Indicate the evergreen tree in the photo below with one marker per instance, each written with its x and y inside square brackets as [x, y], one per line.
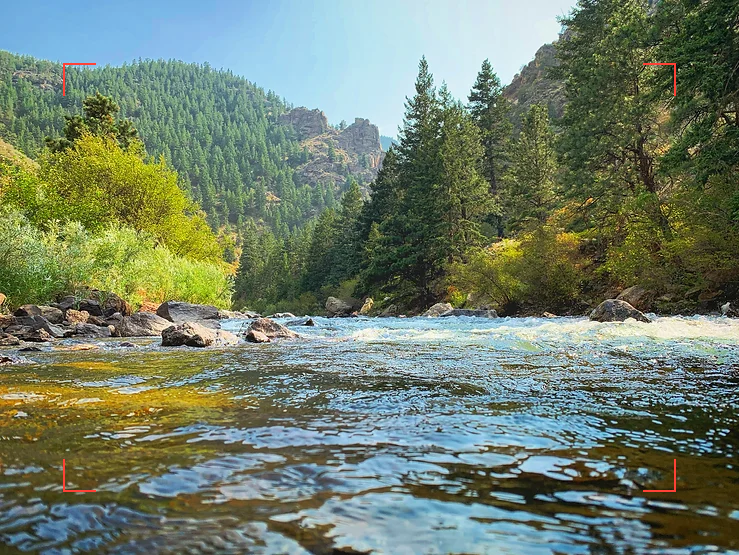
[530, 185]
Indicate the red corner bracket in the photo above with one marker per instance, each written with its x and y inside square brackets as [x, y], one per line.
[674, 72]
[674, 486]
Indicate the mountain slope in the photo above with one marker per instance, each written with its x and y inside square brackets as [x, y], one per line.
[225, 136]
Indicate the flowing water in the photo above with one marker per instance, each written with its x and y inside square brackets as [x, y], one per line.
[417, 435]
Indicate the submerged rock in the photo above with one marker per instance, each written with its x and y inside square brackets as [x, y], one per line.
[307, 321]
[338, 308]
[613, 310]
[271, 329]
[179, 313]
[192, 334]
[6, 360]
[437, 310]
[142, 324]
[469, 312]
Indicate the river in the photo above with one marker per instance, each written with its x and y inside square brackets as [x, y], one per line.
[447, 435]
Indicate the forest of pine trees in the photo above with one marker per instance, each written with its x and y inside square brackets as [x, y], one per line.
[632, 185]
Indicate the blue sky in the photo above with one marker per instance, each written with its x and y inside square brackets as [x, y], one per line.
[346, 57]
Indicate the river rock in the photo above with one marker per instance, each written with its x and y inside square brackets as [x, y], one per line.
[367, 306]
[237, 315]
[12, 359]
[637, 296]
[282, 315]
[254, 336]
[548, 315]
[77, 316]
[104, 304]
[34, 328]
[730, 310]
[390, 312]
[338, 308]
[271, 329]
[142, 324]
[7, 340]
[91, 331]
[613, 310]
[52, 314]
[437, 310]
[192, 334]
[469, 312]
[179, 313]
[307, 321]
[2, 298]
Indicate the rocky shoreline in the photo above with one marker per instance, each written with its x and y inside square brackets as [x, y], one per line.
[102, 314]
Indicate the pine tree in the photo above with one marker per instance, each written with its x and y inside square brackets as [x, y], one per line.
[530, 185]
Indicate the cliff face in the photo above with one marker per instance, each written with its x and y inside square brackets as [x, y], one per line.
[334, 154]
[533, 85]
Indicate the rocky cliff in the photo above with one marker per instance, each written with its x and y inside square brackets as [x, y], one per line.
[335, 154]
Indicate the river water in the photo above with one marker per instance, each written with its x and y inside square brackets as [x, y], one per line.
[397, 436]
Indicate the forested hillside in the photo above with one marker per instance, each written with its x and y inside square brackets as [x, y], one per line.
[223, 134]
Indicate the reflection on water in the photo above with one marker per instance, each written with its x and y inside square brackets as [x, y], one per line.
[386, 436]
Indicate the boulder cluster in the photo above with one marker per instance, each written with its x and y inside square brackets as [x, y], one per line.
[102, 314]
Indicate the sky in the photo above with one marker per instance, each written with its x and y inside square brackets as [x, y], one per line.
[349, 58]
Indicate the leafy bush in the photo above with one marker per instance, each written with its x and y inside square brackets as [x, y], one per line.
[38, 266]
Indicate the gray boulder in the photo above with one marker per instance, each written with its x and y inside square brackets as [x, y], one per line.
[613, 310]
[338, 308]
[271, 329]
[91, 331]
[179, 313]
[637, 296]
[192, 334]
[52, 314]
[142, 324]
[34, 328]
[467, 312]
[437, 310]
[390, 312]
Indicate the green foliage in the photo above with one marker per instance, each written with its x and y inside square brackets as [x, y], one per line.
[530, 186]
[38, 266]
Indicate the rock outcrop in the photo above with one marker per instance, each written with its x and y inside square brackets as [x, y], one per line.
[270, 329]
[367, 306]
[307, 123]
[179, 313]
[142, 324]
[613, 310]
[192, 334]
[437, 310]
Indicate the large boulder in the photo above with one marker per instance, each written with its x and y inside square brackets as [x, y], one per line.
[468, 312]
[614, 310]
[102, 303]
[51, 313]
[638, 297]
[179, 313]
[390, 312]
[192, 334]
[91, 331]
[338, 308]
[271, 329]
[142, 324]
[437, 310]
[34, 328]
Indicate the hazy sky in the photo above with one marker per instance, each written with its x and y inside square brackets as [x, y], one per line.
[346, 57]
